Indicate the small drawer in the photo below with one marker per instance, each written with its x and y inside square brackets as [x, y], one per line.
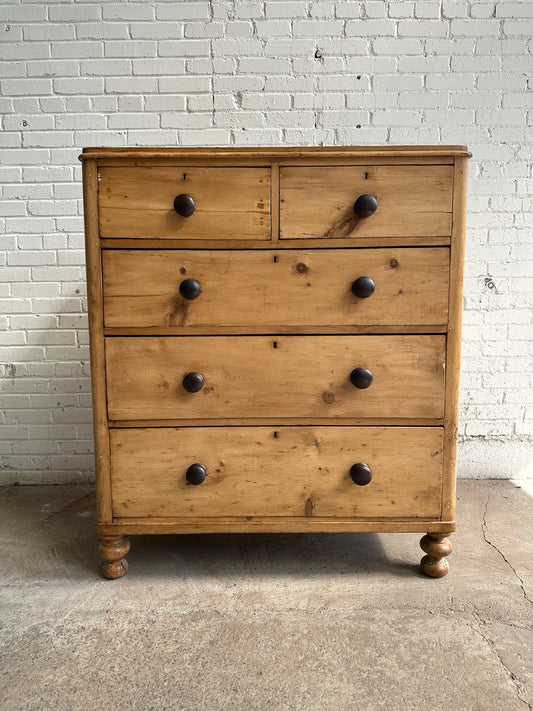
[259, 289]
[214, 203]
[282, 471]
[322, 202]
[186, 377]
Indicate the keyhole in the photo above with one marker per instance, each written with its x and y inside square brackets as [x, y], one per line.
[185, 177]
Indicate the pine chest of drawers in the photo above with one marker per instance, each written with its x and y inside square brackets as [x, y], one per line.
[275, 340]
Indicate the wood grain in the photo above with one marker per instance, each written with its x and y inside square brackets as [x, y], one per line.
[96, 340]
[278, 152]
[275, 524]
[234, 244]
[275, 376]
[261, 289]
[412, 200]
[230, 202]
[453, 350]
[289, 471]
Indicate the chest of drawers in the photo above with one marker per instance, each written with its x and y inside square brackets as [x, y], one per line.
[275, 340]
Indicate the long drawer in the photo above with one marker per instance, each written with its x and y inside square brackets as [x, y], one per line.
[275, 376]
[286, 288]
[227, 203]
[283, 471]
[412, 200]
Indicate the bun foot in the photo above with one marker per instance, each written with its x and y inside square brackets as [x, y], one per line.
[436, 546]
[112, 551]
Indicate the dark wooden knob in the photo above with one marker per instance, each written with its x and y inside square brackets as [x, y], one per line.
[193, 382]
[361, 474]
[196, 474]
[190, 289]
[361, 378]
[365, 205]
[363, 287]
[184, 205]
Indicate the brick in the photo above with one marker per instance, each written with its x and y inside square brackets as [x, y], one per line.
[514, 9]
[105, 67]
[186, 48]
[396, 118]
[210, 137]
[451, 82]
[159, 66]
[398, 82]
[422, 28]
[157, 30]
[125, 11]
[132, 120]
[374, 8]
[23, 87]
[80, 121]
[195, 30]
[184, 85]
[482, 10]
[79, 85]
[454, 8]
[165, 103]
[348, 9]
[249, 10]
[12, 69]
[251, 65]
[427, 9]
[131, 85]
[185, 120]
[401, 9]
[294, 47]
[286, 9]
[239, 29]
[138, 48]
[370, 28]
[317, 28]
[273, 28]
[22, 13]
[517, 28]
[48, 31]
[183, 11]
[102, 30]
[475, 28]
[397, 46]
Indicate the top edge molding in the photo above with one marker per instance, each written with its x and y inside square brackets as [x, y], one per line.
[272, 152]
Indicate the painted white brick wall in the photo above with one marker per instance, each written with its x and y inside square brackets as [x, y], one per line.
[80, 74]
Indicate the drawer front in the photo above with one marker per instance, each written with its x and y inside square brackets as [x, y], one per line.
[230, 203]
[287, 471]
[258, 288]
[275, 376]
[318, 202]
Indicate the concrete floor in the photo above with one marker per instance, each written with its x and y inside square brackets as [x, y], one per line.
[307, 622]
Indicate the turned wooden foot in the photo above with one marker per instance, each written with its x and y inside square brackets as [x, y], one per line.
[436, 546]
[112, 551]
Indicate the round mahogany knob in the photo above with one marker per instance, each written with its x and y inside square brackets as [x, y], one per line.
[363, 287]
[361, 378]
[193, 382]
[365, 205]
[361, 474]
[196, 474]
[190, 289]
[184, 205]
